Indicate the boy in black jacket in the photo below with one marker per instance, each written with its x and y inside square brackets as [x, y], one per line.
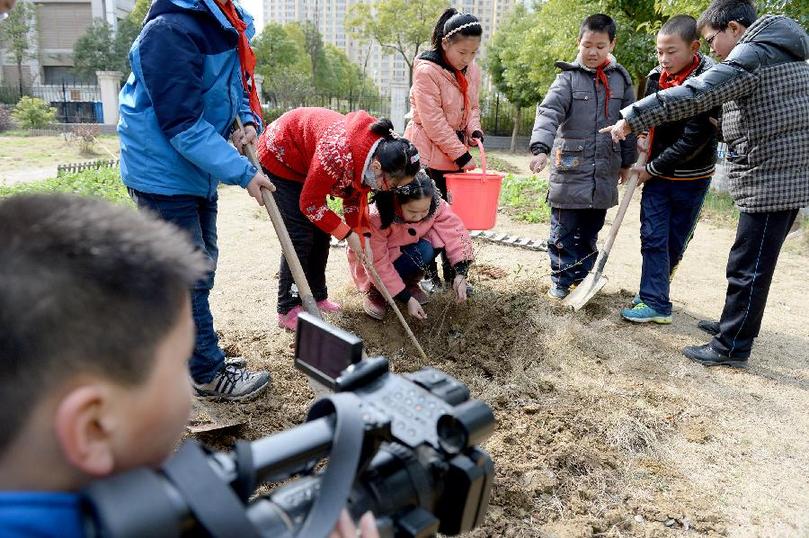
[677, 175]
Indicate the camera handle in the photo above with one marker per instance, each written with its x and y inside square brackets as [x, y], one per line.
[344, 458]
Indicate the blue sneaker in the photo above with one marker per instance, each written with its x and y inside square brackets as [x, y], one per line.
[640, 313]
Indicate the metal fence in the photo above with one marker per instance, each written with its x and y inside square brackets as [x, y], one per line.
[497, 117]
[74, 103]
[378, 106]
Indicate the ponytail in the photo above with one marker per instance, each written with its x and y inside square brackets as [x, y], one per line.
[397, 156]
[452, 23]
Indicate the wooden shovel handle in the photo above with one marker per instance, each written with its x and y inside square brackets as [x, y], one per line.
[288, 249]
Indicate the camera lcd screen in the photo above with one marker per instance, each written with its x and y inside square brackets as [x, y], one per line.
[323, 351]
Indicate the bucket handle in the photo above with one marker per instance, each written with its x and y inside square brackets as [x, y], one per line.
[479, 144]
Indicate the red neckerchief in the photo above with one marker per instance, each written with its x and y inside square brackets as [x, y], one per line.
[668, 80]
[601, 77]
[247, 57]
[463, 83]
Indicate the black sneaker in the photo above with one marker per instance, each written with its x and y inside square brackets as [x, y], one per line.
[232, 383]
[706, 355]
[709, 326]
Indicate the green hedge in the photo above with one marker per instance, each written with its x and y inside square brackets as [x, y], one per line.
[104, 183]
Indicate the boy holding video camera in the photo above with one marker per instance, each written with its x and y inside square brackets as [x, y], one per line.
[97, 331]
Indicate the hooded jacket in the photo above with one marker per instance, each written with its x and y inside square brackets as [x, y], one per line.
[684, 149]
[181, 99]
[442, 228]
[440, 128]
[327, 152]
[763, 87]
[584, 164]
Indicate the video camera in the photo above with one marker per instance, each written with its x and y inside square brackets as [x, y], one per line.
[403, 447]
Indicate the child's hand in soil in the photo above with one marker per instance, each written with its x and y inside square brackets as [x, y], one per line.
[415, 309]
[259, 181]
[459, 286]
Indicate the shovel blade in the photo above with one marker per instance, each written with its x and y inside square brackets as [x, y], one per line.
[206, 418]
[585, 291]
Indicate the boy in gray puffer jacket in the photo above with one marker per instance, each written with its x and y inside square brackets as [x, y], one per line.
[763, 87]
[587, 95]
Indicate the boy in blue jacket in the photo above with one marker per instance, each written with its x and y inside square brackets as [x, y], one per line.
[192, 76]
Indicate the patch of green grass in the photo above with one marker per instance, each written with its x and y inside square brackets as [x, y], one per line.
[104, 183]
[495, 163]
[719, 207]
[21, 151]
[523, 198]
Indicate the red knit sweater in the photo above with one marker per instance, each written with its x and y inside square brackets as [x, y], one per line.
[327, 152]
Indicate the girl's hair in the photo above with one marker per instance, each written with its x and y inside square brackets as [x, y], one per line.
[398, 157]
[386, 202]
[453, 24]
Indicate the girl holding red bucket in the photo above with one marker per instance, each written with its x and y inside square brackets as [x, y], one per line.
[444, 103]
[312, 153]
[410, 226]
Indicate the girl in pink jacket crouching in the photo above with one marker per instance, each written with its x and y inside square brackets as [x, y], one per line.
[409, 227]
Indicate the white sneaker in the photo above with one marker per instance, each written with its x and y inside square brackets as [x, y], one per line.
[232, 383]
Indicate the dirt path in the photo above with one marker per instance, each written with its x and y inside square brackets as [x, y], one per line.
[604, 428]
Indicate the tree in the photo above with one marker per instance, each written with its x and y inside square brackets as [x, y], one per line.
[276, 52]
[95, 51]
[15, 32]
[400, 26]
[509, 71]
[313, 45]
[345, 78]
[139, 12]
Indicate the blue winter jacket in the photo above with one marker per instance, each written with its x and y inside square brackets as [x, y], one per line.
[179, 103]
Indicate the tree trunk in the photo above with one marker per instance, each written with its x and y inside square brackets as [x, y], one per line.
[517, 114]
[641, 87]
[19, 76]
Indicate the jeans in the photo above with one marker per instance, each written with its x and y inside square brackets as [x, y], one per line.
[197, 217]
[751, 264]
[415, 260]
[572, 243]
[310, 242]
[668, 215]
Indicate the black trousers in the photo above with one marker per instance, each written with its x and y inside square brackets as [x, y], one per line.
[751, 264]
[310, 242]
[572, 244]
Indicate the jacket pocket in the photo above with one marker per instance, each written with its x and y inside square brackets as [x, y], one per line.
[568, 154]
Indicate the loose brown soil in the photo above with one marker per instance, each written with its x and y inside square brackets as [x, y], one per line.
[604, 429]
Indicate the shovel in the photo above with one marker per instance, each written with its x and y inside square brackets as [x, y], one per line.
[304, 291]
[596, 280]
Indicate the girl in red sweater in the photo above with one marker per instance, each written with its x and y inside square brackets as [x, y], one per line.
[410, 226]
[444, 101]
[312, 153]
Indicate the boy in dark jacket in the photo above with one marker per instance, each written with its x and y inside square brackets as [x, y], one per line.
[677, 175]
[585, 164]
[763, 85]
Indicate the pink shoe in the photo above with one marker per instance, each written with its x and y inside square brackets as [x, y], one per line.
[329, 306]
[289, 321]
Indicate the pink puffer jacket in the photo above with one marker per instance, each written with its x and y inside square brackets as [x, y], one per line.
[438, 113]
[443, 230]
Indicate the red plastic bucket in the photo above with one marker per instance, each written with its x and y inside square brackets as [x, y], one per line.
[474, 195]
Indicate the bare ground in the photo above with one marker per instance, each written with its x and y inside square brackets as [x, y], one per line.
[604, 429]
